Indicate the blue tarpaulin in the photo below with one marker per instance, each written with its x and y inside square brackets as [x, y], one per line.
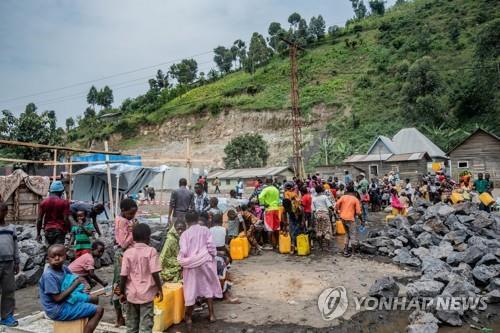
[124, 159]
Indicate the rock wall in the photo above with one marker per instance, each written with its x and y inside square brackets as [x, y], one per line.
[210, 134]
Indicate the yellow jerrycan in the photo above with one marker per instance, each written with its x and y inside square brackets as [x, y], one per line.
[178, 307]
[236, 249]
[486, 199]
[303, 246]
[285, 243]
[339, 227]
[163, 311]
[456, 197]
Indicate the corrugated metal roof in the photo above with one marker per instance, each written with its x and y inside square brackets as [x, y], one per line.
[411, 140]
[367, 158]
[247, 173]
[407, 157]
[386, 157]
[386, 141]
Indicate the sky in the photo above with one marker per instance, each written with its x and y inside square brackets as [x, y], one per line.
[52, 51]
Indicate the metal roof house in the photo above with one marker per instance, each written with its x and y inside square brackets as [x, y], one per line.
[407, 141]
[229, 178]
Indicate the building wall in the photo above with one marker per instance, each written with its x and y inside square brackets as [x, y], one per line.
[482, 154]
[380, 148]
[228, 184]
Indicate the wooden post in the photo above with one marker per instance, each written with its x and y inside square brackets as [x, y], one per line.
[161, 192]
[188, 161]
[117, 195]
[70, 174]
[54, 170]
[110, 186]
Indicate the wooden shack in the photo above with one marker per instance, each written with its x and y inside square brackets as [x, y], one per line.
[412, 166]
[478, 153]
[23, 193]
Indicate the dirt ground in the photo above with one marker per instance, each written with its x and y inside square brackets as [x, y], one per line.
[279, 293]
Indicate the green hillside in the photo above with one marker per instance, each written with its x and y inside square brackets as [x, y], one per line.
[433, 64]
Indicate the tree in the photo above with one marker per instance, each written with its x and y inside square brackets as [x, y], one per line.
[258, 53]
[212, 75]
[317, 27]
[161, 79]
[30, 127]
[92, 96]
[421, 91]
[105, 97]
[70, 122]
[377, 7]
[333, 31]
[294, 20]
[359, 8]
[240, 49]
[275, 31]
[223, 58]
[89, 113]
[246, 151]
[185, 71]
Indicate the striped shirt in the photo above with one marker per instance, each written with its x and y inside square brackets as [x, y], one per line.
[82, 240]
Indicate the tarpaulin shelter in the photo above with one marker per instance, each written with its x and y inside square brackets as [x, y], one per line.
[91, 183]
[22, 193]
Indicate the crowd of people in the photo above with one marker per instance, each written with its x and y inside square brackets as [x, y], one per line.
[196, 250]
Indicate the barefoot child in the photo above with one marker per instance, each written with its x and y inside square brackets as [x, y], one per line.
[140, 281]
[84, 265]
[9, 267]
[124, 225]
[55, 300]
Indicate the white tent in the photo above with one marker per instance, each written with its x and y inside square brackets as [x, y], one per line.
[91, 183]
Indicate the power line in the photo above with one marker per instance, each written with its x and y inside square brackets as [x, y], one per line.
[103, 78]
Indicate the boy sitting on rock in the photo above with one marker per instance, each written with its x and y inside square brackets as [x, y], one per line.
[54, 299]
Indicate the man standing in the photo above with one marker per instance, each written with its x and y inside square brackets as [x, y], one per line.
[91, 210]
[362, 184]
[201, 201]
[240, 189]
[348, 206]
[181, 201]
[54, 216]
[490, 186]
[270, 199]
[347, 178]
[481, 186]
[216, 183]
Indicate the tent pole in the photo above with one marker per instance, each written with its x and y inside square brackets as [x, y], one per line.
[54, 170]
[161, 193]
[188, 160]
[117, 195]
[110, 187]
[70, 194]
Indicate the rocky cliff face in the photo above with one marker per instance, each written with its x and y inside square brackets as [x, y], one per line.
[209, 135]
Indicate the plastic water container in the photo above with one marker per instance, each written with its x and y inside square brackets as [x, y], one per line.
[246, 246]
[236, 249]
[456, 197]
[486, 199]
[285, 243]
[178, 308]
[163, 311]
[339, 228]
[303, 246]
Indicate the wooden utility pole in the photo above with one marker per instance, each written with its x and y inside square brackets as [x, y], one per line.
[298, 162]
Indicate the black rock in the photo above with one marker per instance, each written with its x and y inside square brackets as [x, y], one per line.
[424, 288]
[404, 257]
[384, 287]
[483, 274]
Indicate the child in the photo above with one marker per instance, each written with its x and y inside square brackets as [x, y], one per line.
[140, 280]
[84, 265]
[55, 300]
[81, 234]
[233, 225]
[365, 203]
[124, 225]
[9, 267]
[213, 210]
